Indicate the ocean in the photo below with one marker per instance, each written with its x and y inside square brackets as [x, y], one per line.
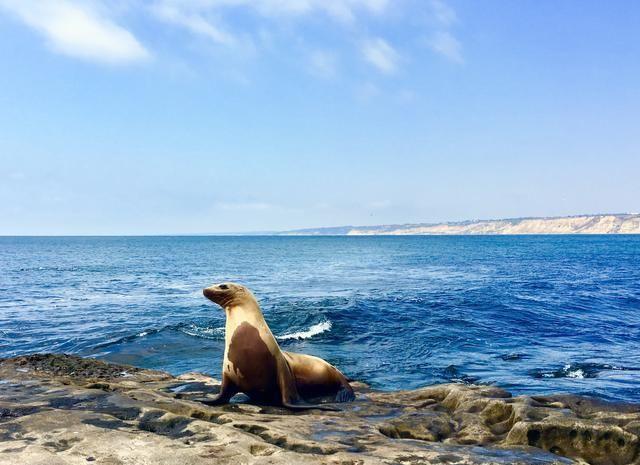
[531, 314]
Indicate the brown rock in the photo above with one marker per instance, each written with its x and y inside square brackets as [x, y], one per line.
[57, 409]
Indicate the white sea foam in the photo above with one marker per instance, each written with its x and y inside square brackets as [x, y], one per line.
[577, 374]
[314, 330]
[203, 332]
[215, 333]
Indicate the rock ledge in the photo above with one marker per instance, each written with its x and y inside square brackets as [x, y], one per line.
[62, 409]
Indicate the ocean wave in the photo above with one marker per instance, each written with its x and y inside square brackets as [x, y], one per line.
[204, 332]
[128, 338]
[313, 330]
[208, 332]
[579, 370]
[190, 329]
[512, 356]
[213, 333]
[452, 373]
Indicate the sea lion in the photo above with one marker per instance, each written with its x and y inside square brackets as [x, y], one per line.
[254, 364]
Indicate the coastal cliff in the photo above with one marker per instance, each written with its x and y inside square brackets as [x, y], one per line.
[583, 224]
[60, 409]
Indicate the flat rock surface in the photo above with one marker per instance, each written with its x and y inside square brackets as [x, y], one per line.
[61, 409]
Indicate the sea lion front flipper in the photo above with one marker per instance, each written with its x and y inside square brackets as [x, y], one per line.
[289, 395]
[227, 390]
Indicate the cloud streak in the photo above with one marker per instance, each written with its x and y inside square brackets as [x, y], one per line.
[88, 30]
[443, 13]
[342, 10]
[382, 56]
[323, 64]
[202, 17]
[76, 30]
[444, 43]
[192, 20]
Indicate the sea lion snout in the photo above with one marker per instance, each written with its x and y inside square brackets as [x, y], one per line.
[222, 293]
[216, 292]
[208, 293]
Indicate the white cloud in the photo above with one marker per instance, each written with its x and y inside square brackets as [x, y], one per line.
[443, 13]
[343, 10]
[323, 64]
[203, 16]
[206, 17]
[194, 21]
[442, 41]
[76, 29]
[447, 45]
[381, 55]
[87, 29]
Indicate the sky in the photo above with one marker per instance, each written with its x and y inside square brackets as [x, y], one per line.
[211, 116]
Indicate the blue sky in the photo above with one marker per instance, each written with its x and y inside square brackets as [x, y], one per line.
[167, 116]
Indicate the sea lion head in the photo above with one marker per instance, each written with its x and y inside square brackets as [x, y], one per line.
[228, 294]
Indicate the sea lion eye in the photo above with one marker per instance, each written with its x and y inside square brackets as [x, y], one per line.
[223, 286]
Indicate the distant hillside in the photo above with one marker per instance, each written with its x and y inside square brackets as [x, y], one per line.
[624, 223]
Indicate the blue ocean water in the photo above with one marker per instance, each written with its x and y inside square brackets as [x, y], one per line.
[533, 314]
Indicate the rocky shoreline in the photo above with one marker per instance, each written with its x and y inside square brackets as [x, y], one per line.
[62, 409]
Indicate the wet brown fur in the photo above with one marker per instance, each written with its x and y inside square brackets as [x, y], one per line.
[254, 363]
[314, 376]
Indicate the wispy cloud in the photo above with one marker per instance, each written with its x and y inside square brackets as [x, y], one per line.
[444, 43]
[240, 30]
[323, 64]
[194, 20]
[78, 30]
[203, 16]
[343, 10]
[378, 53]
[443, 13]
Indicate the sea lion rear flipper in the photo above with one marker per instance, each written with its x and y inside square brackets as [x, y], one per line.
[289, 395]
[345, 395]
